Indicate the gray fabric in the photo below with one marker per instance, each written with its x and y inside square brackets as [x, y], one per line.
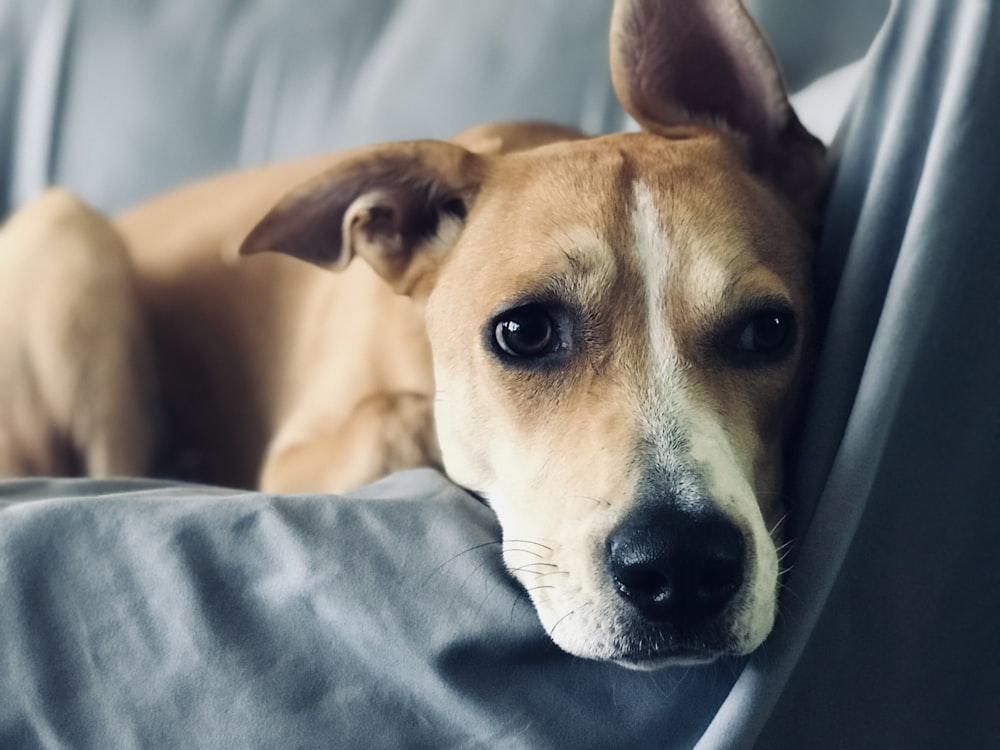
[182, 616]
[192, 617]
[121, 100]
[890, 635]
[814, 38]
[148, 95]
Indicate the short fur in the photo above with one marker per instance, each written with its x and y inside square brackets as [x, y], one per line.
[652, 252]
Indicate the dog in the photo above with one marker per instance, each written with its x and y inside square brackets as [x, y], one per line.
[604, 338]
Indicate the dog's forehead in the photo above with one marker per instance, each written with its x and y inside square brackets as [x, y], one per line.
[593, 215]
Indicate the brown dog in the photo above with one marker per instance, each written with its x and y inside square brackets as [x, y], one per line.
[603, 337]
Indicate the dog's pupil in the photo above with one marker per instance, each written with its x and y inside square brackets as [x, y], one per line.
[769, 331]
[527, 334]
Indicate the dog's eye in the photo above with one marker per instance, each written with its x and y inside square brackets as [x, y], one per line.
[766, 335]
[765, 332]
[526, 332]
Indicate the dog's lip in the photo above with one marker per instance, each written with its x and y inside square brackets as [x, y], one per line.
[679, 657]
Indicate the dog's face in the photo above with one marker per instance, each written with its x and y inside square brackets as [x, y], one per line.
[618, 328]
[614, 374]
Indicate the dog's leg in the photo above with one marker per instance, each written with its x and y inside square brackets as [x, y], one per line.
[384, 433]
[75, 369]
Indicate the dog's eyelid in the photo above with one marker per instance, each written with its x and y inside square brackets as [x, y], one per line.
[554, 292]
[726, 338]
[563, 333]
[752, 306]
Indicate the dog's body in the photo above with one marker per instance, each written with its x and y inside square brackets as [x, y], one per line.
[603, 337]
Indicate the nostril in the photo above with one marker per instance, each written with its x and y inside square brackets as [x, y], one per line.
[641, 581]
[725, 572]
[716, 584]
[677, 567]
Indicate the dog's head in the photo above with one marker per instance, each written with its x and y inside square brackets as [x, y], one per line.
[618, 328]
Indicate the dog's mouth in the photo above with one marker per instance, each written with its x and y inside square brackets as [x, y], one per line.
[645, 645]
[649, 661]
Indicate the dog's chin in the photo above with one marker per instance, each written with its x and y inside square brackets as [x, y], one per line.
[645, 657]
[615, 634]
[646, 647]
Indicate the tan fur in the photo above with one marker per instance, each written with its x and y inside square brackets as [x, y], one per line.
[251, 353]
[182, 338]
[75, 370]
[547, 450]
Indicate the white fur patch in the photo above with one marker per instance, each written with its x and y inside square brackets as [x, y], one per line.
[685, 433]
[653, 252]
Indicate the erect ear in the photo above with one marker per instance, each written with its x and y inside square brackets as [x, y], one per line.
[397, 205]
[684, 62]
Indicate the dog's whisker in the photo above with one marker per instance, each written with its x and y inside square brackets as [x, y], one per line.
[437, 569]
[783, 571]
[527, 567]
[511, 550]
[785, 548]
[777, 524]
[512, 546]
[521, 598]
[559, 622]
[539, 574]
[488, 595]
[529, 589]
[782, 556]
[786, 592]
[590, 498]
[553, 573]
[528, 541]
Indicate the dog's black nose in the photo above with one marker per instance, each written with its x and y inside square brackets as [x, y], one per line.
[677, 566]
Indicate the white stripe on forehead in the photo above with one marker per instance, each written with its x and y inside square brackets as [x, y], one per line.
[683, 432]
[660, 395]
[651, 250]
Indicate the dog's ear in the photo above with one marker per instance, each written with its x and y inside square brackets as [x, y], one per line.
[705, 62]
[397, 205]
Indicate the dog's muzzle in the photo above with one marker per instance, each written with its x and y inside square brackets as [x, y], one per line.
[679, 569]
